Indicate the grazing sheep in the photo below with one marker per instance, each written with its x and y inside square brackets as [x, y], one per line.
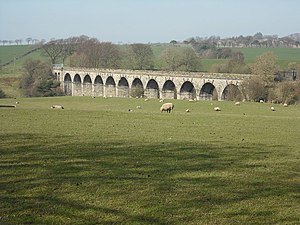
[272, 108]
[261, 101]
[217, 109]
[191, 100]
[237, 103]
[161, 100]
[285, 105]
[167, 107]
[138, 107]
[146, 99]
[187, 110]
[57, 107]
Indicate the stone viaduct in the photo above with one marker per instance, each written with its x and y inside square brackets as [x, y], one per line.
[148, 84]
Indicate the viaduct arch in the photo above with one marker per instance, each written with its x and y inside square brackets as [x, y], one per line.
[150, 84]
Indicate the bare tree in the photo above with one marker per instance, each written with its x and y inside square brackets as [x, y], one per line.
[18, 41]
[170, 59]
[53, 49]
[141, 56]
[189, 60]
[265, 66]
[254, 89]
[91, 53]
[68, 48]
[182, 59]
[29, 39]
[109, 55]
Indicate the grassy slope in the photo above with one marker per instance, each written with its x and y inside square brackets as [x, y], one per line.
[95, 162]
[285, 55]
[9, 75]
[9, 52]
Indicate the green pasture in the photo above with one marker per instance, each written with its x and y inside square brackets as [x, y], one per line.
[285, 55]
[95, 162]
[8, 53]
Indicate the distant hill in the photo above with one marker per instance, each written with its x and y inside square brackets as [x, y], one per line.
[295, 36]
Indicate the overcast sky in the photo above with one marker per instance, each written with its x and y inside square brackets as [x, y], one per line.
[146, 20]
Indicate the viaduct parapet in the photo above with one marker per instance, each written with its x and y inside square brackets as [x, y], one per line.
[148, 84]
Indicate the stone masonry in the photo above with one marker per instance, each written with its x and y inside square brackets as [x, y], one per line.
[152, 84]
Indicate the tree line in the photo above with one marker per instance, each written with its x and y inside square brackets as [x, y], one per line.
[89, 52]
[258, 40]
[29, 41]
[83, 51]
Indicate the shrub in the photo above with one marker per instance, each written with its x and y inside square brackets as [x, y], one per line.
[38, 80]
[285, 92]
[137, 92]
[254, 89]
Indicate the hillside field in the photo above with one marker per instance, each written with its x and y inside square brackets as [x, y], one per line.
[95, 162]
[8, 53]
[285, 55]
[10, 74]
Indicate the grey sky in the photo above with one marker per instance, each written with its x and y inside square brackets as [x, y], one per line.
[146, 20]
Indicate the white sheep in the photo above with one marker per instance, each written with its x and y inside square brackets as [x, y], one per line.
[285, 105]
[187, 110]
[167, 107]
[272, 108]
[217, 109]
[138, 107]
[57, 107]
[237, 103]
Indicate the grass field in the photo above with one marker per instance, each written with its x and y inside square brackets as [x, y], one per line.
[97, 163]
[8, 53]
[285, 55]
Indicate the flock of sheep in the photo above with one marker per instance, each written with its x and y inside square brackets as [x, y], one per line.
[167, 107]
